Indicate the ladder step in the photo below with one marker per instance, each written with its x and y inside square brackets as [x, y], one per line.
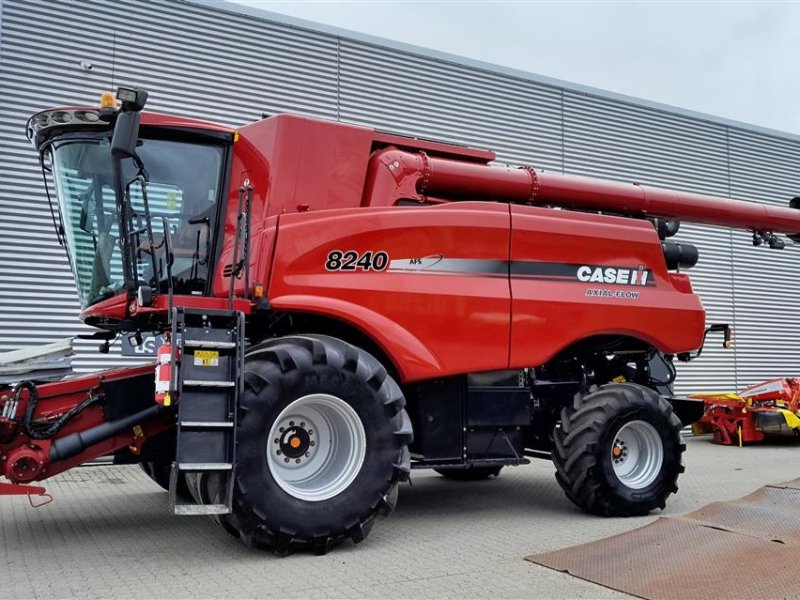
[208, 383]
[207, 344]
[200, 509]
[205, 466]
[207, 424]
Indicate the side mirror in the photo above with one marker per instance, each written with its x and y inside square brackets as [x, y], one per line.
[126, 134]
[126, 130]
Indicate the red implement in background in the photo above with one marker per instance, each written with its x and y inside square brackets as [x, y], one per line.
[769, 408]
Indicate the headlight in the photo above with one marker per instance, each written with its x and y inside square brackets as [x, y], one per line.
[61, 119]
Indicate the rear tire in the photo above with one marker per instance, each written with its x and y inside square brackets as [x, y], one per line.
[618, 451]
[291, 494]
[470, 473]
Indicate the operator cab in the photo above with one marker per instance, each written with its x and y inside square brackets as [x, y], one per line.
[113, 211]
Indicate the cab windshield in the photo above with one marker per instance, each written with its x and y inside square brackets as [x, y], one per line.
[182, 191]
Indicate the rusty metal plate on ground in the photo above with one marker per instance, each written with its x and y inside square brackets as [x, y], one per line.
[746, 548]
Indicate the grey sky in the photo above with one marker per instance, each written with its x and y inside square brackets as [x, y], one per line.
[735, 60]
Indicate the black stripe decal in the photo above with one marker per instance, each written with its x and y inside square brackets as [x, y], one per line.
[526, 269]
[543, 269]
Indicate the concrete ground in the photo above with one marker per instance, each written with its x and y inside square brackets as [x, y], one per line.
[107, 535]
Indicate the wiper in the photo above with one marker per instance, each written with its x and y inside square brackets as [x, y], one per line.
[134, 236]
[57, 225]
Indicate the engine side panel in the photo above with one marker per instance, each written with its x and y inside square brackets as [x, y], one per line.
[428, 284]
[461, 290]
[577, 275]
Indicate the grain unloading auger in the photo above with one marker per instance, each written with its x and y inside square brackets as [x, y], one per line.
[397, 174]
[344, 305]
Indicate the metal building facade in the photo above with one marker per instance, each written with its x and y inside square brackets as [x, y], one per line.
[229, 63]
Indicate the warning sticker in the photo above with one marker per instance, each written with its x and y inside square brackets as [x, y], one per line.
[206, 358]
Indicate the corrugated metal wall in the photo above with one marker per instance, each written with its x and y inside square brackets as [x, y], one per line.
[225, 65]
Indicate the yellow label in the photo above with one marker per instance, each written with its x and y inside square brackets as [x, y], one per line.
[206, 358]
[137, 431]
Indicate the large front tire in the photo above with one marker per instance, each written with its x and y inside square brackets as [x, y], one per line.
[321, 445]
[618, 451]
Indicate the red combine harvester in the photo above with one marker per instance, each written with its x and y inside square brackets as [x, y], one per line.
[343, 305]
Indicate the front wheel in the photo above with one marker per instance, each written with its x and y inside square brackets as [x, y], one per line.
[618, 451]
[321, 446]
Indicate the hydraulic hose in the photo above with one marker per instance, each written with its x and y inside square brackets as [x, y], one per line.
[33, 400]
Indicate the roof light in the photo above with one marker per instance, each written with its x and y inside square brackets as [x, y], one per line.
[62, 119]
[107, 100]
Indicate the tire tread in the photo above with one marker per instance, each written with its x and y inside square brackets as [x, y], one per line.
[577, 452]
[268, 364]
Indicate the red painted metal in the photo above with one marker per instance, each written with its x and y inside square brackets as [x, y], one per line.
[318, 185]
[118, 308]
[548, 316]
[429, 324]
[25, 463]
[24, 459]
[157, 119]
[416, 174]
[433, 147]
[13, 489]
[471, 280]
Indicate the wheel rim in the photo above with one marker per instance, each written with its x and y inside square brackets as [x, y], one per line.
[316, 447]
[637, 454]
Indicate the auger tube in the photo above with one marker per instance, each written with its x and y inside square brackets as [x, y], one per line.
[453, 179]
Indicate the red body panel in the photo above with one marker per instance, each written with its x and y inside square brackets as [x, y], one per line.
[292, 164]
[116, 308]
[451, 312]
[432, 323]
[164, 120]
[551, 312]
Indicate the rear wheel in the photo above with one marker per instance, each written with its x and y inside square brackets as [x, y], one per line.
[470, 473]
[618, 451]
[321, 446]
